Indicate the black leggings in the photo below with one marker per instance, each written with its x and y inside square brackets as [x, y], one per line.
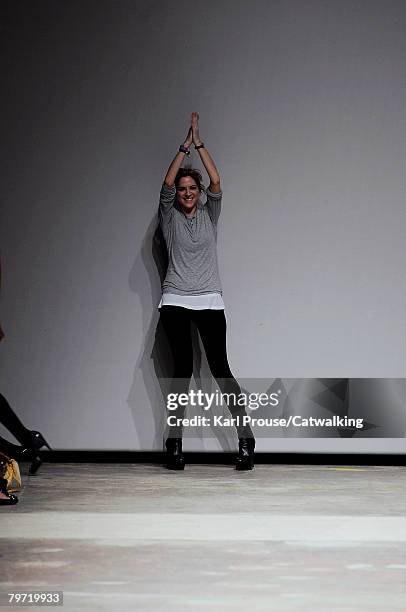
[211, 325]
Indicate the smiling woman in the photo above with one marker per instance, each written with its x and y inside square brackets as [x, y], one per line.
[188, 183]
[191, 291]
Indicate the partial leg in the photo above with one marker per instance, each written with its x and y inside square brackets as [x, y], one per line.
[212, 328]
[8, 448]
[176, 324]
[10, 421]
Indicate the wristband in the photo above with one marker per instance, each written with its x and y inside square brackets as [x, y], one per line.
[200, 146]
[184, 149]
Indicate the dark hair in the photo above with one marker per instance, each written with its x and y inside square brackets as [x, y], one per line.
[192, 172]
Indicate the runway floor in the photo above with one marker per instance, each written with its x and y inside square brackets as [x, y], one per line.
[141, 538]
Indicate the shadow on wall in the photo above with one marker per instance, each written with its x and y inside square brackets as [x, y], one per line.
[153, 361]
[153, 367]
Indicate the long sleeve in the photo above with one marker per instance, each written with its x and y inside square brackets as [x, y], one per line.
[166, 201]
[213, 205]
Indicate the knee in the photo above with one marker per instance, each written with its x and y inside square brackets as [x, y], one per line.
[221, 369]
[183, 371]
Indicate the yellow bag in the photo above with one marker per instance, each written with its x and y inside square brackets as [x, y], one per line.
[11, 472]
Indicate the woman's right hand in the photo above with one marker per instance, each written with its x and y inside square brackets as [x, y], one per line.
[195, 129]
[176, 163]
[189, 138]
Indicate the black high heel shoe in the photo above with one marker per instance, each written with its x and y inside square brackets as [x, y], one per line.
[11, 499]
[35, 441]
[245, 459]
[175, 457]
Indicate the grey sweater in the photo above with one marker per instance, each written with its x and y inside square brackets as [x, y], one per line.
[191, 244]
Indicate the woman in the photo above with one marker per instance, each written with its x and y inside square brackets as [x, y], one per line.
[31, 441]
[192, 288]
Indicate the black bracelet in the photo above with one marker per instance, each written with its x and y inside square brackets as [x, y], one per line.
[184, 149]
[200, 146]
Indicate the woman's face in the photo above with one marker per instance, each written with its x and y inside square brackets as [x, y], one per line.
[187, 193]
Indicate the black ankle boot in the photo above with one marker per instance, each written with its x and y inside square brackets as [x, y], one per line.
[11, 499]
[175, 458]
[245, 459]
[30, 450]
[32, 456]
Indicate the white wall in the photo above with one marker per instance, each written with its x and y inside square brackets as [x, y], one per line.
[302, 106]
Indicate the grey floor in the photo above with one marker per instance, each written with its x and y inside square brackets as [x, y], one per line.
[138, 537]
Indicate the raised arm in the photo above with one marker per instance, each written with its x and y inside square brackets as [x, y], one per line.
[177, 161]
[205, 156]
